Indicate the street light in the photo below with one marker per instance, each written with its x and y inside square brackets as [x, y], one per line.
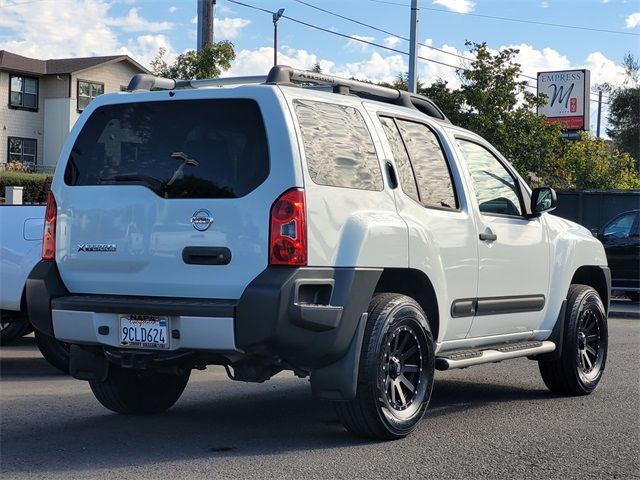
[276, 16]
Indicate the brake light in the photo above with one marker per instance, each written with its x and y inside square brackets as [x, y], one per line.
[288, 230]
[49, 237]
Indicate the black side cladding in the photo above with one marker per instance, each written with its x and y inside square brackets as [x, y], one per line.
[43, 285]
[269, 318]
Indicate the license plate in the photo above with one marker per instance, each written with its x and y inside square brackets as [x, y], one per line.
[144, 331]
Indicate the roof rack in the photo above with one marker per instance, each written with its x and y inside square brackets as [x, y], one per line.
[284, 75]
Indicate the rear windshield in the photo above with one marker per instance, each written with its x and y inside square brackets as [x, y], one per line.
[178, 149]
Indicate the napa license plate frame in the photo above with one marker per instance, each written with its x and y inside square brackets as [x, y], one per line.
[149, 332]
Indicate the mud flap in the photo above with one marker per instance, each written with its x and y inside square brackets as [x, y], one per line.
[339, 381]
[86, 365]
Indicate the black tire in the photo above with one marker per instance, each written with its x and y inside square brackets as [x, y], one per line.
[633, 296]
[584, 350]
[392, 394]
[54, 351]
[131, 391]
[10, 331]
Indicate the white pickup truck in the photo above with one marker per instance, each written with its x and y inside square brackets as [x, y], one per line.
[20, 249]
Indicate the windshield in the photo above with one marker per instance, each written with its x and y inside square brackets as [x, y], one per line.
[178, 149]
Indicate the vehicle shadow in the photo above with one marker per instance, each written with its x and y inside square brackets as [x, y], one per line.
[245, 420]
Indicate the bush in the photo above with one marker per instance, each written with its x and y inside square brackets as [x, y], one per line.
[36, 185]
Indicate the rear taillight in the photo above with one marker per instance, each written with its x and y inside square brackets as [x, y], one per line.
[49, 237]
[288, 231]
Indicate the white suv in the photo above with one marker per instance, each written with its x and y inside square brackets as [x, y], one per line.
[338, 229]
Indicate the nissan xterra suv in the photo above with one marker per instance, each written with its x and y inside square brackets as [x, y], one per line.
[341, 230]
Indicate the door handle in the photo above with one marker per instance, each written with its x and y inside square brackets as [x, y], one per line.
[206, 255]
[488, 236]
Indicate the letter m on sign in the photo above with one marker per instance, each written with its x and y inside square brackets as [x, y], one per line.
[560, 95]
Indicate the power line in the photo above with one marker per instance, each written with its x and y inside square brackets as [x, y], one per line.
[378, 29]
[361, 40]
[349, 37]
[509, 19]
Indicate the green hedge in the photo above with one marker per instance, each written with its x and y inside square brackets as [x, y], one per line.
[36, 185]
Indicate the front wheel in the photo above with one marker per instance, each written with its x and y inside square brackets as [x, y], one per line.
[138, 391]
[395, 375]
[584, 349]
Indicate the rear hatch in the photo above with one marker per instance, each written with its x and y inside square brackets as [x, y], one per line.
[168, 198]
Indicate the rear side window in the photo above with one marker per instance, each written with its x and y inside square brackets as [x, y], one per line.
[405, 171]
[178, 149]
[429, 164]
[338, 146]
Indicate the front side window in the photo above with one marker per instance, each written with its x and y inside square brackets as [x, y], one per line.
[429, 164]
[22, 150]
[496, 189]
[621, 227]
[338, 146]
[23, 92]
[87, 91]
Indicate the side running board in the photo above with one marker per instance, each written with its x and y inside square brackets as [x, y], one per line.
[497, 353]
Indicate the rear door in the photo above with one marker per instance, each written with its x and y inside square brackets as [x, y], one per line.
[171, 197]
[513, 277]
[621, 243]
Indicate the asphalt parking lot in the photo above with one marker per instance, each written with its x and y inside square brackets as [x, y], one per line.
[490, 421]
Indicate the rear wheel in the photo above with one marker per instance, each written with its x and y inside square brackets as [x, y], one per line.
[54, 351]
[584, 350]
[10, 331]
[395, 376]
[138, 391]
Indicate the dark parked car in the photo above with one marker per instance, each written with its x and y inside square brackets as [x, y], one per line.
[621, 240]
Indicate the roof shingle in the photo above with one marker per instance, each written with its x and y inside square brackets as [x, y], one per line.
[58, 66]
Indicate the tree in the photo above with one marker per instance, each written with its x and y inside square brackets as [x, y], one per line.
[209, 62]
[493, 102]
[624, 111]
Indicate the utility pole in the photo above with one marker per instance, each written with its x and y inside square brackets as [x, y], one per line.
[413, 47]
[205, 22]
[599, 112]
[276, 16]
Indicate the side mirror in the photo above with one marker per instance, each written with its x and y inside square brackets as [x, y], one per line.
[543, 199]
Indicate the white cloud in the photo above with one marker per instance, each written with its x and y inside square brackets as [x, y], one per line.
[354, 44]
[88, 31]
[173, 9]
[145, 48]
[460, 6]
[228, 28]
[633, 20]
[544, 4]
[392, 41]
[135, 23]
[194, 20]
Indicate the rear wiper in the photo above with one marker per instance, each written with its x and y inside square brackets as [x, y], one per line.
[185, 161]
[156, 185]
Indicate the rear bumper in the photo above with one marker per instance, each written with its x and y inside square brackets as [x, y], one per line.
[304, 316]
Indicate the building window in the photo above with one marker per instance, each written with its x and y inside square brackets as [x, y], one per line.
[23, 92]
[87, 91]
[23, 150]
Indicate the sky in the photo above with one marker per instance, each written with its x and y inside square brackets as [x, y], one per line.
[595, 34]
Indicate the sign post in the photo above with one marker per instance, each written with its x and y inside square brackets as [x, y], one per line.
[567, 94]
